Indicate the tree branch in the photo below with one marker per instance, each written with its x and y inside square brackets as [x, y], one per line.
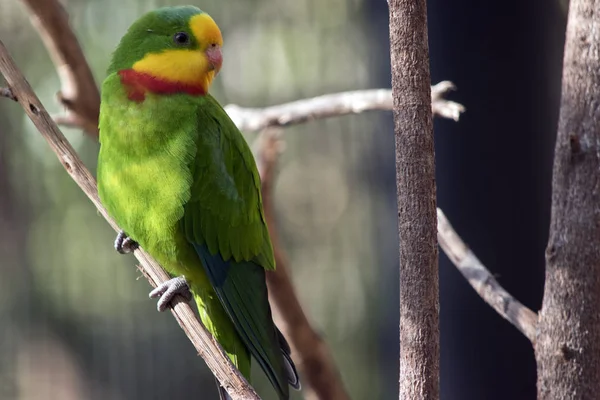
[320, 376]
[568, 340]
[335, 105]
[482, 280]
[203, 341]
[441, 107]
[79, 93]
[416, 193]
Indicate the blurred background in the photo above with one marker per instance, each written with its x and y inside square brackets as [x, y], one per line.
[75, 319]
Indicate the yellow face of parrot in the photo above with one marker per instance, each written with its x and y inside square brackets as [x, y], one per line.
[165, 52]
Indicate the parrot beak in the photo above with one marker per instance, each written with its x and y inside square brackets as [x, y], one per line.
[215, 58]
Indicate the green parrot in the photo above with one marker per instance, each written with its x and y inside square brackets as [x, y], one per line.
[180, 180]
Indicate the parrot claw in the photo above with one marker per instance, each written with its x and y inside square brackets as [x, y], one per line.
[124, 244]
[169, 289]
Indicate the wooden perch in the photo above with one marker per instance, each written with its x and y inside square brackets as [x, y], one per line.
[320, 376]
[334, 105]
[203, 341]
[79, 93]
[482, 280]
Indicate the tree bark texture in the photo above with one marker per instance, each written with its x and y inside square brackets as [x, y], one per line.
[415, 182]
[568, 340]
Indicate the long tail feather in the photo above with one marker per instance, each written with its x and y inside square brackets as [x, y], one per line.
[290, 368]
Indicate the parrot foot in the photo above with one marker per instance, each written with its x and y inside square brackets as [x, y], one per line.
[168, 290]
[124, 244]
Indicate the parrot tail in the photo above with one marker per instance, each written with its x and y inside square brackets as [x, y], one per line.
[290, 367]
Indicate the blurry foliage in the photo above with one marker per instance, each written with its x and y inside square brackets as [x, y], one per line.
[77, 324]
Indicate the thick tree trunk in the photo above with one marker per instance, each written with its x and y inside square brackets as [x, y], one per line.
[568, 341]
[415, 181]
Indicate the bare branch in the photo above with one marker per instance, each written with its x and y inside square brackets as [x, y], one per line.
[203, 341]
[334, 105]
[320, 377]
[442, 107]
[483, 281]
[419, 377]
[79, 93]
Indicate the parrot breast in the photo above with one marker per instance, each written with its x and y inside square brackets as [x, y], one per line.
[144, 175]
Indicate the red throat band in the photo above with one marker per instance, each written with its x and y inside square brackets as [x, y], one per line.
[138, 83]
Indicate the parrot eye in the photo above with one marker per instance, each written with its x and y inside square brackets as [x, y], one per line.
[181, 38]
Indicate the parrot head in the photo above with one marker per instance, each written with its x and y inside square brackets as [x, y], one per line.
[169, 50]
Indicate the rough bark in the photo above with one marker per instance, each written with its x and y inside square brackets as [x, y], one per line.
[568, 343]
[415, 181]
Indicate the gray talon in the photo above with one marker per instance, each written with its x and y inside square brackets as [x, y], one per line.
[168, 290]
[124, 244]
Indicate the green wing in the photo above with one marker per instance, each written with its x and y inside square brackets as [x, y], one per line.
[224, 222]
[226, 203]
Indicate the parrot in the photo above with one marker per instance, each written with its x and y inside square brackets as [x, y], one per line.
[181, 182]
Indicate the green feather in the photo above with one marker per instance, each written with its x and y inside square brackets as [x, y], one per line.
[180, 179]
[236, 213]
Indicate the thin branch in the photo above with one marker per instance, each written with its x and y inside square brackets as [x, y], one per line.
[335, 105]
[319, 375]
[483, 281]
[79, 93]
[445, 108]
[203, 341]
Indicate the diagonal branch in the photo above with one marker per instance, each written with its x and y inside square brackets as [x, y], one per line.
[334, 105]
[319, 373]
[79, 93]
[483, 281]
[205, 344]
